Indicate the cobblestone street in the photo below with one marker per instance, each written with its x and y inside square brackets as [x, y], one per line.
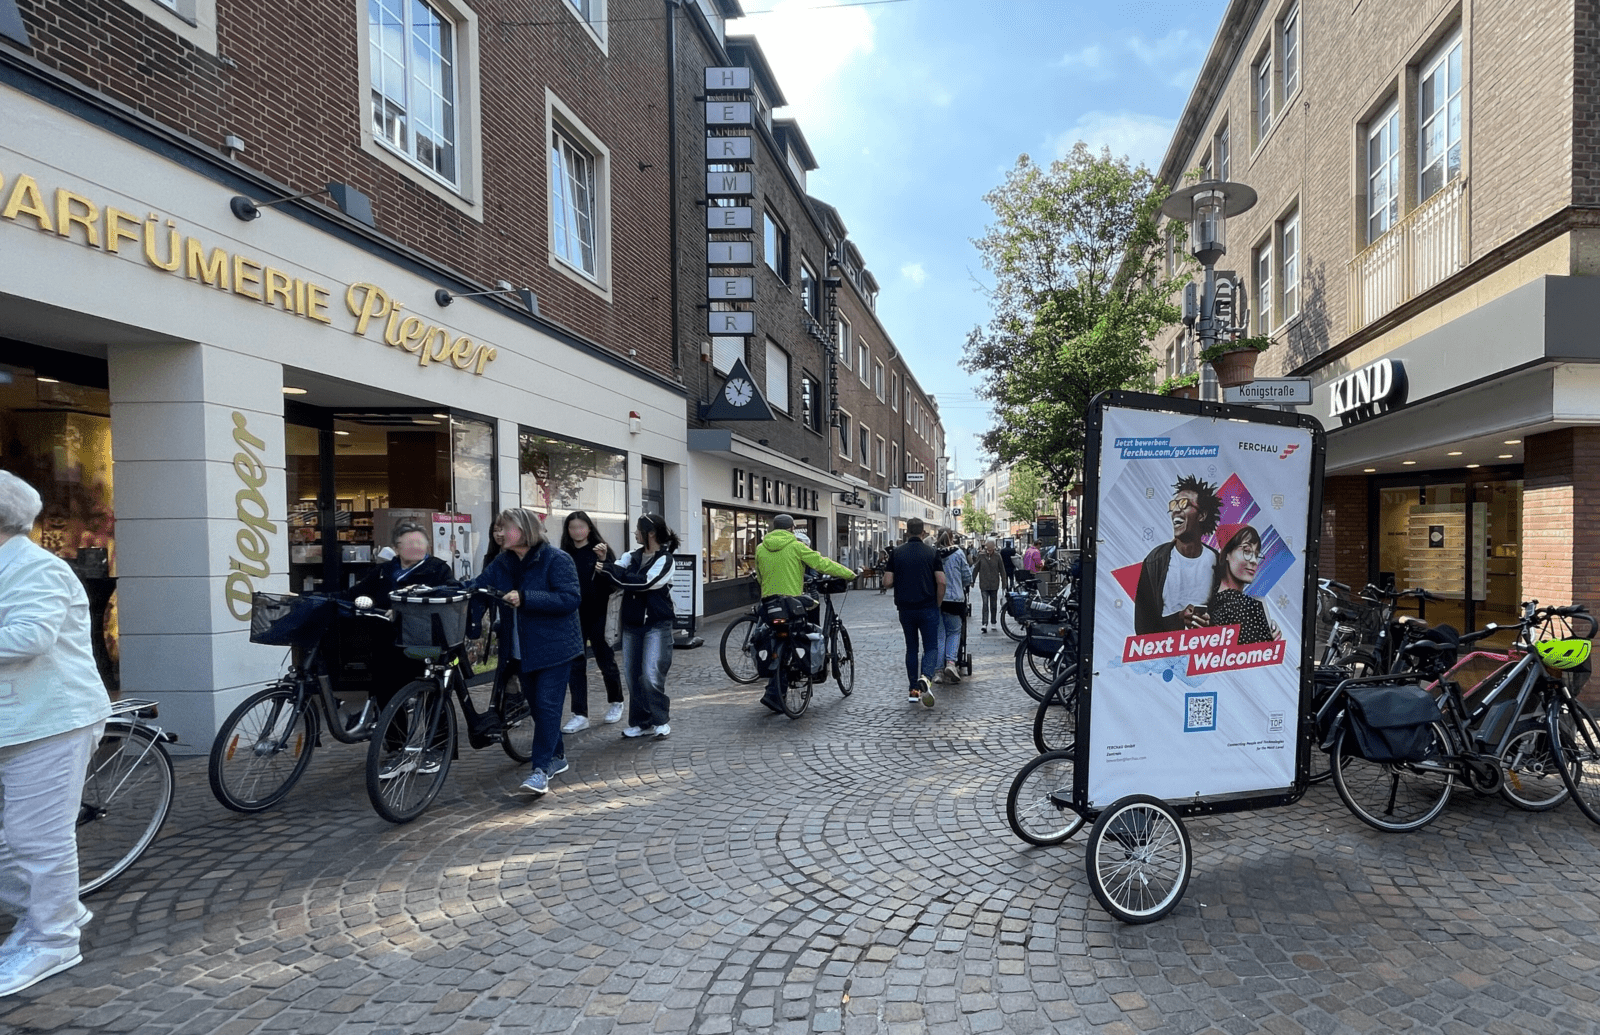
[849, 871]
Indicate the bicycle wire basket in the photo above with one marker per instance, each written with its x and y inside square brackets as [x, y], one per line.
[1365, 614]
[430, 621]
[289, 620]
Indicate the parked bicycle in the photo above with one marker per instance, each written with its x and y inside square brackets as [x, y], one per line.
[1397, 752]
[127, 793]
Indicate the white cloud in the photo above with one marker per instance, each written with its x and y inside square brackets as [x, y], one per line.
[1091, 60]
[1143, 138]
[807, 48]
[1177, 54]
[914, 272]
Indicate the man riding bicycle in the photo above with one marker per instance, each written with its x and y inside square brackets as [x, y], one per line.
[781, 563]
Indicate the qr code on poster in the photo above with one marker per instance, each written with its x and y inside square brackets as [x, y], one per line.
[1199, 712]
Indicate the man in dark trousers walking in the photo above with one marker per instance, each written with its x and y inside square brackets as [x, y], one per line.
[914, 573]
[1008, 558]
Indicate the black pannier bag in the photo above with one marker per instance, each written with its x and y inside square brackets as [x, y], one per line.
[287, 620]
[780, 610]
[1045, 640]
[1392, 723]
[1017, 604]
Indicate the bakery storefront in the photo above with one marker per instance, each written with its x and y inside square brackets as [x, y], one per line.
[1458, 462]
[740, 486]
[213, 406]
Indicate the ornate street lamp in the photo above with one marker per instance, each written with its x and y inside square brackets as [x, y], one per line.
[1206, 207]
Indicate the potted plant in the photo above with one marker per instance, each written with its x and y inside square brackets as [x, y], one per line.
[1184, 386]
[1235, 361]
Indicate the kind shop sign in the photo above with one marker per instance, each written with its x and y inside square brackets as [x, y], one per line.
[1198, 597]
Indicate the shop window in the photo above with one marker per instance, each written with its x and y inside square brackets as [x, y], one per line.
[559, 476]
[730, 538]
[55, 434]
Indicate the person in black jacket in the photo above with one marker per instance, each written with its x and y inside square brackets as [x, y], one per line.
[580, 539]
[645, 578]
[1176, 578]
[412, 566]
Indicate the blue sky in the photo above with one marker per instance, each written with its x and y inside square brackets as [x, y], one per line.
[916, 108]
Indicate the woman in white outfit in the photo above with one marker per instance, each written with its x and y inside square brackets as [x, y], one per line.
[53, 708]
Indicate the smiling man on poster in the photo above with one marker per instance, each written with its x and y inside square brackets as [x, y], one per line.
[1175, 581]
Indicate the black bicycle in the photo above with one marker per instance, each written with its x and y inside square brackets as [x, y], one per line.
[738, 659]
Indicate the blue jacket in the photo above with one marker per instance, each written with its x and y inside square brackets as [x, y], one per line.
[548, 634]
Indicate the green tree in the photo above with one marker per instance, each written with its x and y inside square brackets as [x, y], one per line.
[1021, 501]
[973, 520]
[1075, 250]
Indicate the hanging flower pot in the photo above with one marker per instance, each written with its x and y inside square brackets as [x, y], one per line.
[1235, 361]
[1184, 386]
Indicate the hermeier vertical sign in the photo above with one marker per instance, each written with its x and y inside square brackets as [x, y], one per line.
[730, 112]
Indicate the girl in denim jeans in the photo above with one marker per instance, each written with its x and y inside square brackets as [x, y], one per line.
[645, 578]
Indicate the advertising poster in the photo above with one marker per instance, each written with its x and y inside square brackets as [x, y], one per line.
[1199, 597]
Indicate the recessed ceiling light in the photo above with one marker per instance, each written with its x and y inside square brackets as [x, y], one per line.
[1474, 465]
[1454, 452]
[432, 422]
[1513, 441]
[1408, 463]
[293, 391]
[442, 416]
[47, 380]
[341, 432]
[1369, 470]
[1504, 456]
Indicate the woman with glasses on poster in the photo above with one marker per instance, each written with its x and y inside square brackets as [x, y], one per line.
[1236, 570]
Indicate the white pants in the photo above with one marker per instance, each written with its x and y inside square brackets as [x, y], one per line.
[41, 789]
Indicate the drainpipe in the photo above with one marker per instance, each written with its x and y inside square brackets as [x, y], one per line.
[672, 176]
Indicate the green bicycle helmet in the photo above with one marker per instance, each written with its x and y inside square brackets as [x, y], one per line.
[1563, 655]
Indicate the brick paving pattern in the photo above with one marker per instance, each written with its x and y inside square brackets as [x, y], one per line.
[850, 871]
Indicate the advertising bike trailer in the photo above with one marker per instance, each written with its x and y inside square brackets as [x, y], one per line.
[1200, 536]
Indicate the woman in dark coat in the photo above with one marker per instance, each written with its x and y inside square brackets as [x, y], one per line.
[579, 538]
[540, 585]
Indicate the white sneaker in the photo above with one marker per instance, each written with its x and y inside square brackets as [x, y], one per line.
[576, 724]
[614, 713]
[663, 730]
[26, 966]
[634, 732]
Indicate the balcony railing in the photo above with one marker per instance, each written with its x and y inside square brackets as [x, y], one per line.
[1417, 253]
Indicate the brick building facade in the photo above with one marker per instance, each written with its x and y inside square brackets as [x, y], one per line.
[1426, 224]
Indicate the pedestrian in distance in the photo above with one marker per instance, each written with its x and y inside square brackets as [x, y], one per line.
[781, 562]
[915, 575]
[645, 577]
[883, 566]
[1032, 559]
[990, 573]
[539, 584]
[580, 540]
[1008, 560]
[953, 608]
[53, 710]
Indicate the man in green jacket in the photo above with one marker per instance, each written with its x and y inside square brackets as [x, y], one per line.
[781, 563]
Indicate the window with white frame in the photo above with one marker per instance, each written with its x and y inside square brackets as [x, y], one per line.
[1439, 119]
[844, 434]
[1263, 95]
[811, 402]
[908, 404]
[894, 463]
[894, 391]
[879, 454]
[877, 380]
[412, 60]
[1383, 173]
[775, 242]
[1290, 41]
[864, 454]
[724, 350]
[846, 346]
[572, 203]
[810, 293]
[1263, 265]
[863, 362]
[777, 376]
[1289, 265]
[592, 13]
[1220, 149]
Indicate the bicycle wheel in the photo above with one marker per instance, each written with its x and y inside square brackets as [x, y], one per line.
[1055, 721]
[408, 758]
[262, 749]
[736, 659]
[794, 684]
[1575, 743]
[1392, 796]
[844, 659]
[516, 722]
[126, 794]
[1138, 859]
[1035, 804]
[1531, 782]
[1010, 624]
[1036, 687]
